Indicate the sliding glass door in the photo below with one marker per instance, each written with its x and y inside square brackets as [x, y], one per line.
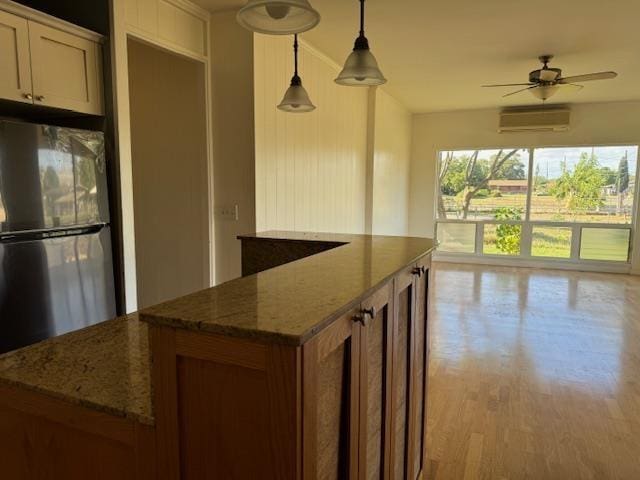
[565, 204]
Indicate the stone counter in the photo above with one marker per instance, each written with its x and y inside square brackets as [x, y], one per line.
[104, 367]
[291, 303]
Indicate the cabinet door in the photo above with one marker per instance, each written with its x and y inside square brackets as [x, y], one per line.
[375, 385]
[15, 70]
[403, 354]
[420, 364]
[331, 362]
[67, 70]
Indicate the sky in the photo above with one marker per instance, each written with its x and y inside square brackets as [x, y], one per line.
[550, 159]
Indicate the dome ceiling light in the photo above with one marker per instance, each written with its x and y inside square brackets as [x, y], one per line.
[278, 17]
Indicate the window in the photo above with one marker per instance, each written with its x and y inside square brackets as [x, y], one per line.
[538, 202]
[585, 184]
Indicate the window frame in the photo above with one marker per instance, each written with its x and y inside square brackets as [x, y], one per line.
[528, 224]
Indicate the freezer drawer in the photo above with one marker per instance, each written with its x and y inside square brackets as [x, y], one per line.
[52, 286]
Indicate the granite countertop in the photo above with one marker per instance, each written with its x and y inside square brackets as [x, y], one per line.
[291, 303]
[103, 367]
[106, 367]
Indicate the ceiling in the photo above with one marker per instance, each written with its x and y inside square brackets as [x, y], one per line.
[436, 54]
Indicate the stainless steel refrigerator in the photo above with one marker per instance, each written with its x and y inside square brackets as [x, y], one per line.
[56, 270]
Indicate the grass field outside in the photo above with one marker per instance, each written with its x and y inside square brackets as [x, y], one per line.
[543, 208]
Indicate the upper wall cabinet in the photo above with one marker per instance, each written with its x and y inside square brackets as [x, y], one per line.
[15, 68]
[48, 66]
[177, 24]
[65, 69]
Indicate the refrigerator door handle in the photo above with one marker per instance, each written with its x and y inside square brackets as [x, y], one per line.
[42, 233]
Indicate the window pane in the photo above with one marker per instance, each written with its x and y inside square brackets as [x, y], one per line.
[457, 237]
[482, 184]
[584, 184]
[551, 242]
[605, 244]
[502, 239]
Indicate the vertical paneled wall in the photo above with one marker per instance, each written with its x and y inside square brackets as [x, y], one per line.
[310, 168]
[391, 166]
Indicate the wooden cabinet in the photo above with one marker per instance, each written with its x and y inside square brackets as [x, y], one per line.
[331, 377]
[15, 68]
[47, 66]
[376, 384]
[66, 70]
[349, 403]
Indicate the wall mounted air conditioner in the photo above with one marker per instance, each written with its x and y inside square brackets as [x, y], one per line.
[535, 120]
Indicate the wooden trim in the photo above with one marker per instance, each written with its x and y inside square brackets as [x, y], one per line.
[335, 334]
[354, 400]
[310, 360]
[285, 390]
[388, 386]
[411, 392]
[82, 418]
[427, 353]
[219, 349]
[50, 21]
[381, 300]
[364, 402]
[163, 44]
[165, 400]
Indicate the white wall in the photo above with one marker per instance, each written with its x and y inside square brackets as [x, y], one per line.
[310, 167]
[343, 167]
[169, 161]
[233, 139]
[391, 165]
[591, 124]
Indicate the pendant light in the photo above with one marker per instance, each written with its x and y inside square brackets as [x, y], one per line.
[278, 17]
[296, 99]
[361, 67]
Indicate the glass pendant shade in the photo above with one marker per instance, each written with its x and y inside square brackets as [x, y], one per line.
[361, 69]
[296, 99]
[545, 92]
[278, 17]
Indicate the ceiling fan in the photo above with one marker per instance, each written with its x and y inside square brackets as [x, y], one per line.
[546, 81]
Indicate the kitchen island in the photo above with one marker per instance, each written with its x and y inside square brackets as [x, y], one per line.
[316, 368]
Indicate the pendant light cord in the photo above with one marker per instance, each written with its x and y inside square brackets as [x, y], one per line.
[361, 42]
[295, 80]
[295, 54]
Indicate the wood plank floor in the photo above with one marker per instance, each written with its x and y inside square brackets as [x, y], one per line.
[534, 374]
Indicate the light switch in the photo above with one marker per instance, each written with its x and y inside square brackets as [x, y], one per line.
[228, 212]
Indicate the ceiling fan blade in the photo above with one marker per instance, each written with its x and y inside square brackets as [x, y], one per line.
[575, 86]
[588, 77]
[518, 91]
[509, 85]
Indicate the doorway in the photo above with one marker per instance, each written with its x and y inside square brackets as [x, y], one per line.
[170, 187]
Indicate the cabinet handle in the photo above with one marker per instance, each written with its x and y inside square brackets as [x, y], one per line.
[28, 96]
[419, 271]
[365, 316]
[39, 98]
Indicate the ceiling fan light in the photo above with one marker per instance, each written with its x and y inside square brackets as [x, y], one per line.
[545, 92]
[278, 17]
[296, 99]
[361, 69]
